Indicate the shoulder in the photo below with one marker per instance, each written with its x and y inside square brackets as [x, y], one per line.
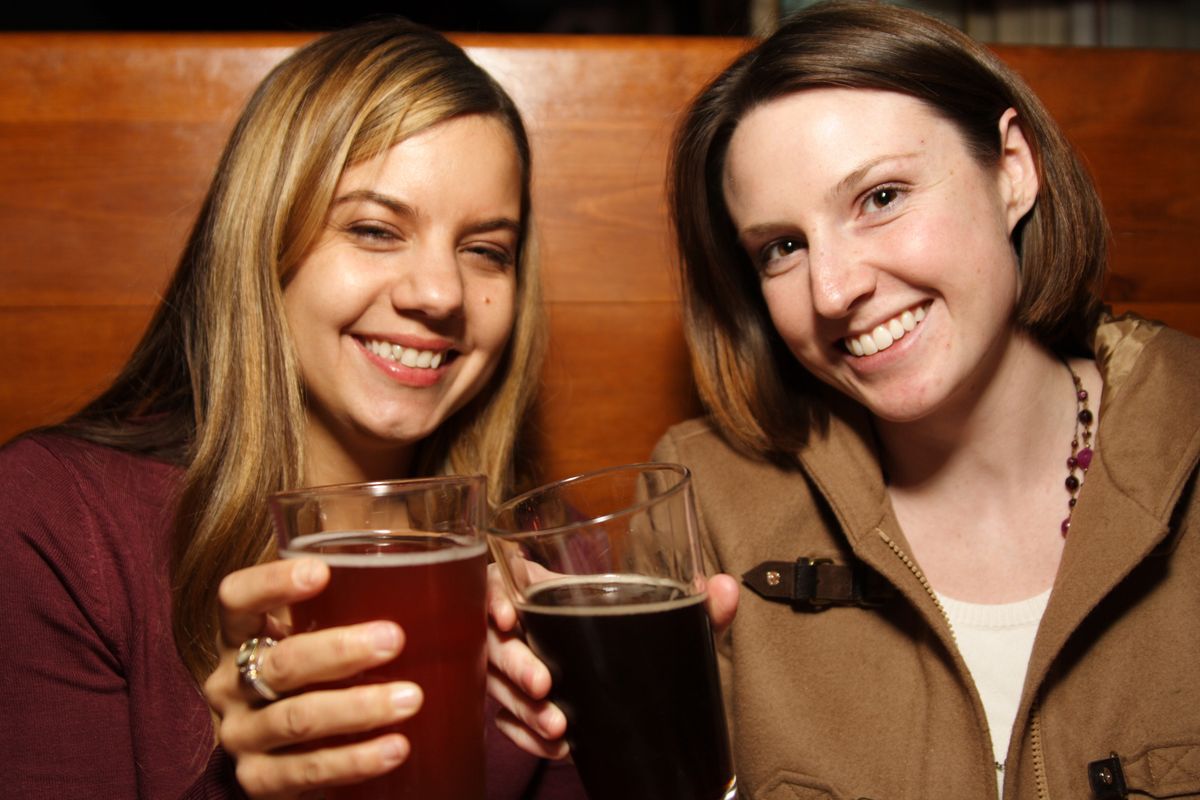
[698, 445]
[717, 466]
[1146, 357]
[45, 472]
[735, 490]
[1149, 432]
[83, 579]
[81, 515]
[1151, 373]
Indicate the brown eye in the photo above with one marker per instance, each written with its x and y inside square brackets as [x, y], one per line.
[371, 233]
[494, 256]
[881, 198]
[781, 249]
[774, 258]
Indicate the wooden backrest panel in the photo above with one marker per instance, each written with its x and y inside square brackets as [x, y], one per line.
[107, 143]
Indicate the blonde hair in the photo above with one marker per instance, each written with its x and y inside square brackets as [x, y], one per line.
[214, 384]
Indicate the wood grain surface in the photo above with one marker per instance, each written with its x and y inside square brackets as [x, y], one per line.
[107, 143]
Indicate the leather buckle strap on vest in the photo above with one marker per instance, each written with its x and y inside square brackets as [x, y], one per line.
[1167, 770]
[816, 583]
[1107, 779]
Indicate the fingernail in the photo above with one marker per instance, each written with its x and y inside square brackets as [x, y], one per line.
[535, 679]
[384, 638]
[306, 573]
[406, 697]
[393, 750]
[552, 722]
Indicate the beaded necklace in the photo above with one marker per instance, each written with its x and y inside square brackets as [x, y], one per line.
[1081, 457]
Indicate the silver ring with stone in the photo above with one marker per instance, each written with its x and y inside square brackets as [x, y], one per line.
[249, 662]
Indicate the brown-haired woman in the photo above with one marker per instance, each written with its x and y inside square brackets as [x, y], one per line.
[357, 301]
[961, 494]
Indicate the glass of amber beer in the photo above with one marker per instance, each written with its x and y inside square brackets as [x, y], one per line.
[412, 552]
[606, 574]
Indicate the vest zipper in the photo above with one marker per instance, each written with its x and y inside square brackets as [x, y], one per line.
[1039, 757]
[920, 576]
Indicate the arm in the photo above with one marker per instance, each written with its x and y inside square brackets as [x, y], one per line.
[63, 685]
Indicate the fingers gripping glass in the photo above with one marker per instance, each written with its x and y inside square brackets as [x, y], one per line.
[606, 574]
[412, 552]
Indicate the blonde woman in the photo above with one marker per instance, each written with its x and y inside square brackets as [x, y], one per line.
[357, 301]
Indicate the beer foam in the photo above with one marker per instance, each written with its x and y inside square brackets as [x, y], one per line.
[603, 610]
[450, 548]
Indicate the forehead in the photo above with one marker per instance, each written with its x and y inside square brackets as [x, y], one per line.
[468, 162]
[827, 133]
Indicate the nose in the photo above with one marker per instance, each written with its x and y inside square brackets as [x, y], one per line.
[431, 284]
[840, 277]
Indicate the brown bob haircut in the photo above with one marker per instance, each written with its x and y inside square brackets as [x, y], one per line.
[756, 391]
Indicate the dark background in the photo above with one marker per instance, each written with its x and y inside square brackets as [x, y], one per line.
[684, 17]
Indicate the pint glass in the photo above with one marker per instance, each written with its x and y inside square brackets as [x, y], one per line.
[412, 552]
[606, 574]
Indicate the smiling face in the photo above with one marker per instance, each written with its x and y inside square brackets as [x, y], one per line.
[882, 244]
[401, 310]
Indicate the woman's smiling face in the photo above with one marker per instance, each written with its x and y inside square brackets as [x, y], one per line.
[401, 311]
[883, 245]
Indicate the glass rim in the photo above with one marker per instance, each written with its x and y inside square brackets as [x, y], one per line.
[374, 488]
[685, 476]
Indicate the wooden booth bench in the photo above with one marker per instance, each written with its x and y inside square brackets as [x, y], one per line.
[108, 142]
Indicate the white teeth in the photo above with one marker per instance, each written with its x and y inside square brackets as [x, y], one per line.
[408, 356]
[886, 334]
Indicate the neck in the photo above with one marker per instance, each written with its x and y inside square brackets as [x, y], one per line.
[330, 459]
[1017, 414]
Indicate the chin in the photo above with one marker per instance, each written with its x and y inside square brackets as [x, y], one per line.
[901, 410]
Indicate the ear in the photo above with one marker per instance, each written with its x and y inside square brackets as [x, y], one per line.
[1018, 174]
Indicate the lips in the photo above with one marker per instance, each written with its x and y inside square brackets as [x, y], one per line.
[408, 356]
[886, 333]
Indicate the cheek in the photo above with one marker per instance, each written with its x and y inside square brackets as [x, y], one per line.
[492, 312]
[783, 304]
[790, 307]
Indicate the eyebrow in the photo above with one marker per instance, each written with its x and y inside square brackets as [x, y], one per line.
[861, 171]
[401, 208]
[765, 230]
[387, 201]
[771, 229]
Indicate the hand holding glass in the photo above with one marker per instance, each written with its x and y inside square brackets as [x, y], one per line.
[412, 552]
[605, 571]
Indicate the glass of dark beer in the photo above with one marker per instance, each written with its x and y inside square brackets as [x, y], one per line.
[412, 552]
[606, 574]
